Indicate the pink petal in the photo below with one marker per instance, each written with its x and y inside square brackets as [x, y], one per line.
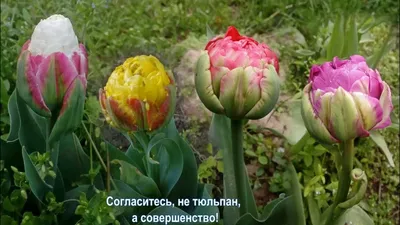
[387, 107]
[66, 69]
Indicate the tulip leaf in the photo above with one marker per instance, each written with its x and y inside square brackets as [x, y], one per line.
[171, 162]
[315, 214]
[126, 191]
[276, 212]
[186, 187]
[136, 155]
[204, 192]
[115, 153]
[38, 186]
[14, 117]
[380, 141]
[351, 39]
[73, 158]
[30, 133]
[335, 45]
[71, 113]
[137, 180]
[388, 44]
[355, 216]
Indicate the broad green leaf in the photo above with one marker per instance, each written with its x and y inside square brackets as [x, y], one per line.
[250, 153]
[14, 117]
[171, 168]
[380, 141]
[305, 52]
[30, 134]
[278, 213]
[3, 93]
[263, 160]
[313, 209]
[351, 38]
[126, 191]
[205, 191]
[137, 156]
[115, 153]
[137, 180]
[73, 162]
[336, 42]
[186, 187]
[38, 186]
[354, 216]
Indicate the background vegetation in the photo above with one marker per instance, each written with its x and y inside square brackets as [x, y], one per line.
[115, 30]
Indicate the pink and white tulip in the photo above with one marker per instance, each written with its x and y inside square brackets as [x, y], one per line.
[52, 70]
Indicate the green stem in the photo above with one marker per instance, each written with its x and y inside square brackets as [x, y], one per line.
[298, 207]
[98, 154]
[347, 149]
[239, 167]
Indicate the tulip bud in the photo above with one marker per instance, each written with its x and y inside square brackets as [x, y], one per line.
[237, 76]
[51, 74]
[344, 100]
[139, 95]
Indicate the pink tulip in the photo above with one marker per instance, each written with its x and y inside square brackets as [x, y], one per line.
[345, 99]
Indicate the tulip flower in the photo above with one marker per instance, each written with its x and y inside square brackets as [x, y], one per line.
[237, 76]
[345, 99]
[52, 69]
[139, 95]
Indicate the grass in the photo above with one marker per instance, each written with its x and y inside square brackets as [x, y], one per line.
[115, 30]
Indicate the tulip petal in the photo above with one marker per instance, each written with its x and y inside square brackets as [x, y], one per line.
[49, 82]
[345, 120]
[216, 75]
[232, 93]
[28, 85]
[385, 101]
[204, 86]
[84, 61]
[369, 108]
[270, 88]
[71, 112]
[253, 92]
[312, 122]
[165, 111]
[66, 71]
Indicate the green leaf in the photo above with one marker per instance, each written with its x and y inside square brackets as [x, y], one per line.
[14, 117]
[186, 187]
[380, 141]
[263, 160]
[137, 156]
[38, 186]
[351, 39]
[305, 52]
[137, 180]
[171, 165]
[31, 134]
[276, 213]
[313, 209]
[308, 160]
[6, 219]
[388, 44]
[115, 153]
[73, 162]
[336, 42]
[250, 153]
[356, 216]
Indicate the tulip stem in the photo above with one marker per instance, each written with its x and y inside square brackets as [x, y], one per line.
[239, 168]
[347, 149]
